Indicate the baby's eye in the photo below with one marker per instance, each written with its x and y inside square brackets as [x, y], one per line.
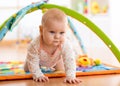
[62, 33]
[52, 32]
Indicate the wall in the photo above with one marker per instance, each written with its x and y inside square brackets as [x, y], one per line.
[115, 21]
[95, 47]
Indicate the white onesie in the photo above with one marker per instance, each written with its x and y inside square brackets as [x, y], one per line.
[36, 57]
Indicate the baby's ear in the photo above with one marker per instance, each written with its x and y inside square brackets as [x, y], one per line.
[40, 28]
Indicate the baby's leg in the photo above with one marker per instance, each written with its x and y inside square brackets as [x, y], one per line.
[60, 65]
[26, 67]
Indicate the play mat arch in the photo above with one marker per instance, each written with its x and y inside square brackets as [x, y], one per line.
[12, 21]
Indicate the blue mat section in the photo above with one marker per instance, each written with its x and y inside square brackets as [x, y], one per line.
[95, 68]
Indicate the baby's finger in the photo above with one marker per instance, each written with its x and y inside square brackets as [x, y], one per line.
[45, 79]
[40, 80]
[64, 81]
[74, 81]
[69, 81]
[78, 80]
[36, 80]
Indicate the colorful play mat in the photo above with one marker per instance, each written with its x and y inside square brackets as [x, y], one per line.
[14, 70]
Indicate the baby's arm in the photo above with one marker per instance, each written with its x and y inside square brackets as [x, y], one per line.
[33, 65]
[70, 65]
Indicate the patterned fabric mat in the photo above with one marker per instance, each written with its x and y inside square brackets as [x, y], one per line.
[16, 67]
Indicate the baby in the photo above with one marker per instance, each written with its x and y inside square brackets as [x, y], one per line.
[52, 49]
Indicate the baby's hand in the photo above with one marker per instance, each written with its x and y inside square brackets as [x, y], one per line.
[42, 79]
[72, 80]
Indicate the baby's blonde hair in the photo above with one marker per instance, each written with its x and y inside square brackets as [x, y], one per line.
[54, 14]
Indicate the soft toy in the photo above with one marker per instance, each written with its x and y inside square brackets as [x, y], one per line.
[95, 7]
[85, 61]
[97, 62]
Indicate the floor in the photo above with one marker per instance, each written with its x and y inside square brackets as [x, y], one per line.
[100, 80]
[15, 52]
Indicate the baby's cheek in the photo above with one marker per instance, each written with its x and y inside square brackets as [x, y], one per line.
[62, 40]
[50, 38]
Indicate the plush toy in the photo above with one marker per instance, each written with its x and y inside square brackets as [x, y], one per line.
[95, 7]
[85, 61]
[97, 62]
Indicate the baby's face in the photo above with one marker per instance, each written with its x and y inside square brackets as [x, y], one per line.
[54, 33]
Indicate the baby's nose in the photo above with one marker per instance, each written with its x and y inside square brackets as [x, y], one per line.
[57, 36]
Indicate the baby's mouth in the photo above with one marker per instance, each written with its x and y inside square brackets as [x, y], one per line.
[56, 41]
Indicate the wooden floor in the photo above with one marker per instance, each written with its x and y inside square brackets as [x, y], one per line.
[100, 80]
[19, 53]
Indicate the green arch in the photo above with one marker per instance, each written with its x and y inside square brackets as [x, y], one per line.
[90, 25]
[83, 20]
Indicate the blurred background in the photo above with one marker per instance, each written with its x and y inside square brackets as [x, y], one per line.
[105, 14]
